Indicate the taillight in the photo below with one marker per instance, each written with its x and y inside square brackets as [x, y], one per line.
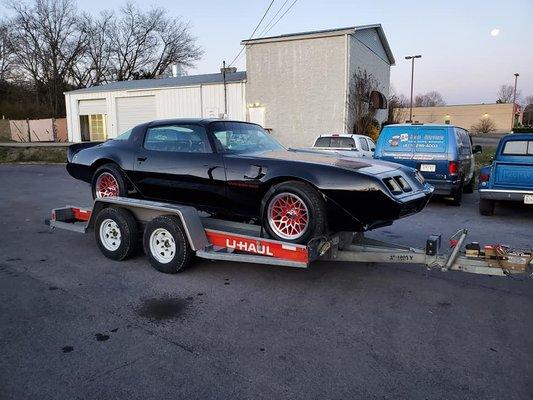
[484, 177]
[453, 168]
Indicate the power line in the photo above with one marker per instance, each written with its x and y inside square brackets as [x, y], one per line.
[253, 33]
[282, 15]
[273, 18]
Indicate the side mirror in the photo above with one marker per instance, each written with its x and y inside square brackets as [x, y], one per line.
[477, 149]
[373, 149]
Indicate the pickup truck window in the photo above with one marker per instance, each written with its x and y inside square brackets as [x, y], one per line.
[518, 148]
[323, 142]
[364, 144]
[335, 142]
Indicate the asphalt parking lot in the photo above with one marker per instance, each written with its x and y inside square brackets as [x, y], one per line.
[74, 324]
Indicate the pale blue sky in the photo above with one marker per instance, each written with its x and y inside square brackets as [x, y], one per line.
[460, 57]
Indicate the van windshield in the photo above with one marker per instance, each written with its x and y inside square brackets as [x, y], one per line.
[413, 142]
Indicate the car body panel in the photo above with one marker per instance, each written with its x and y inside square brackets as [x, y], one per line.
[357, 197]
[510, 176]
[429, 148]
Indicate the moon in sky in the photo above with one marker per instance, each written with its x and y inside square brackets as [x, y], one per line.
[495, 32]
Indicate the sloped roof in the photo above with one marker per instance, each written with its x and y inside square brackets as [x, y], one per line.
[146, 84]
[328, 32]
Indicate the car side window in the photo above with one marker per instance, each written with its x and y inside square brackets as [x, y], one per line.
[364, 144]
[371, 143]
[177, 139]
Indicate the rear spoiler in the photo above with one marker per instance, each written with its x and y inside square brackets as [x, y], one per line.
[75, 148]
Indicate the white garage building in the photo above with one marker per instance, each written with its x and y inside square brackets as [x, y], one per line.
[296, 85]
[103, 112]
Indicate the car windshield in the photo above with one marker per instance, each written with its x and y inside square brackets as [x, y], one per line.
[240, 137]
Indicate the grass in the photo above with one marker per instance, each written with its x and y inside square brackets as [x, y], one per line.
[485, 158]
[33, 154]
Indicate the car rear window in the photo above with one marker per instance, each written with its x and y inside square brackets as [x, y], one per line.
[518, 148]
[414, 141]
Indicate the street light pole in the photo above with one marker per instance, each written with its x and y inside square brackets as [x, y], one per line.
[412, 58]
[516, 75]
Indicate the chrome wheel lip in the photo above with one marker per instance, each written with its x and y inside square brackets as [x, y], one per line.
[112, 190]
[278, 226]
[162, 245]
[110, 234]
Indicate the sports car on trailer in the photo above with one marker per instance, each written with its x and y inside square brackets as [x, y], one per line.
[237, 170]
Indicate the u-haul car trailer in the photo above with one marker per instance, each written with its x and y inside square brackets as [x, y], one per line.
[173, 233]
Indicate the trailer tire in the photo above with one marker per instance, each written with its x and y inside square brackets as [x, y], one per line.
[166, 244]
[116, 233]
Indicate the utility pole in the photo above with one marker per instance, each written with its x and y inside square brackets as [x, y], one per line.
[516, 75]
[412, 58]
[226, 70]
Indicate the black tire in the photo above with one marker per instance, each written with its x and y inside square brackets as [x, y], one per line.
[486, 207]
[469, 188]
[457, 196]
[116, 173]
[314, 202]
[175, 234]
[126, 245]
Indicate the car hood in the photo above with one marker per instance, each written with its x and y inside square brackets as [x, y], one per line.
[366, 165]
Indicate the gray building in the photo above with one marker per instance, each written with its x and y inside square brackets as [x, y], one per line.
[298, 84]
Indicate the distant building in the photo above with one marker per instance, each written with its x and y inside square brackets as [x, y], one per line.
[465, 115]
[298, 84]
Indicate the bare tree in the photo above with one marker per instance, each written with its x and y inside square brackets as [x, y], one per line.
[429, 99]
[528, 100]
[506, 93]
[361, 110]
[47, 42]
[484, 125]
[6, 50]
[527, 116]
[398, 104]
[146, 44]
[94, 66]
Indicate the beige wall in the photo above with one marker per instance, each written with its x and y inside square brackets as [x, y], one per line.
[465, 115]
[301, 85]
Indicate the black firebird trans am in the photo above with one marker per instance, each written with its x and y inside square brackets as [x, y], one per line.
[236, 170]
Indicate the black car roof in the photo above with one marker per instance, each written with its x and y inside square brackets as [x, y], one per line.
[196, 121]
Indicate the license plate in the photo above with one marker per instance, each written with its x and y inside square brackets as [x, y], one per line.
[528, 199]
[427, 167]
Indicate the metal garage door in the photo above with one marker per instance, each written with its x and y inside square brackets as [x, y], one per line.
[133, 111]
[92, 107]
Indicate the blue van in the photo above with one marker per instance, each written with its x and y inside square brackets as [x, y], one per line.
[442, 153]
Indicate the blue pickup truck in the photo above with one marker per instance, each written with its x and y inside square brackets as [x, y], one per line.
[510, 176]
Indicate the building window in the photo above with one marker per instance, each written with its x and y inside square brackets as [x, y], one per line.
[93, 127]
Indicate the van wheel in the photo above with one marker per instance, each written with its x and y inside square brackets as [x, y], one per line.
[486, 207]
[458, 196]
[470, 187]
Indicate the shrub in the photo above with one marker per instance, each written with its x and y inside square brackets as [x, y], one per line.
[485, 125]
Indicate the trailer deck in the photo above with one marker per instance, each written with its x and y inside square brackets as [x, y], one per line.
[217, 239]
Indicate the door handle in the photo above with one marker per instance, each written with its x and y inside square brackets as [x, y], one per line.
[141, 159]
